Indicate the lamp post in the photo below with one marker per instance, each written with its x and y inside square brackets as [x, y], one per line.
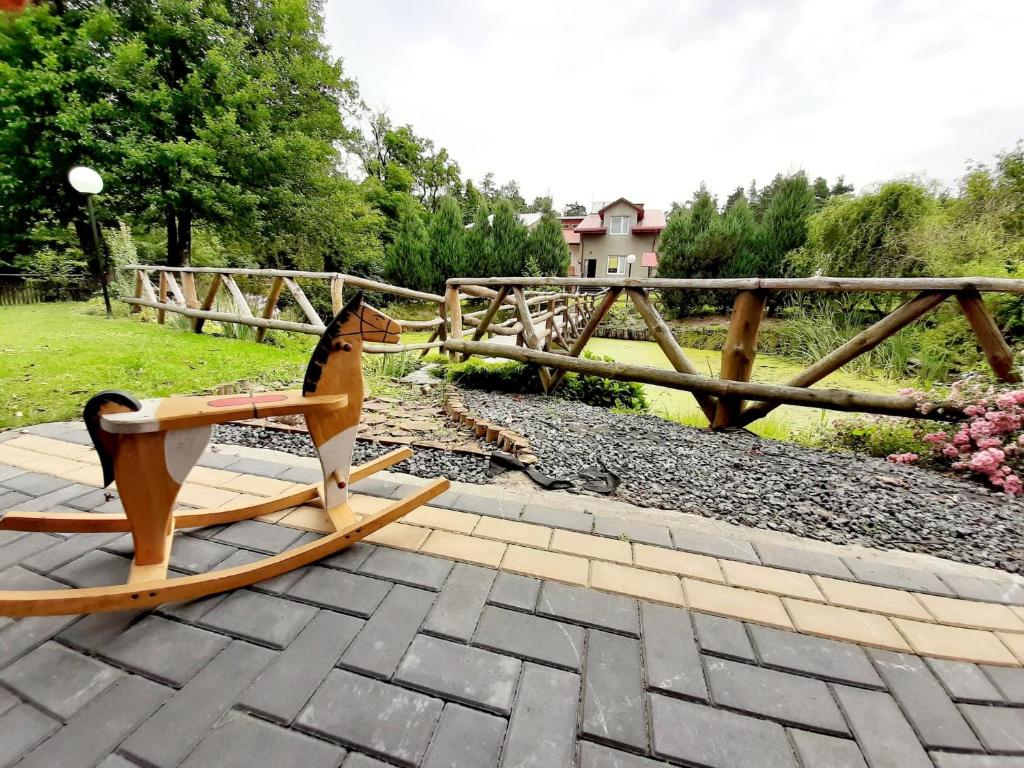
[87, 182]
[630, 261]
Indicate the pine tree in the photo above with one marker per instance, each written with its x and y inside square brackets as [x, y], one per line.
[547, 247]
[510, 237]
[784, 222]
[479, 249]
[408, 260]
[447, 237]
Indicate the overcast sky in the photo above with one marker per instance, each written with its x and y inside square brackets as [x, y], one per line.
[596, 100]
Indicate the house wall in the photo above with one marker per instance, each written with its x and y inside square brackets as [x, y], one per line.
[600, 247]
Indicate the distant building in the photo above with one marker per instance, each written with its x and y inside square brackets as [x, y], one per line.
[601, 242]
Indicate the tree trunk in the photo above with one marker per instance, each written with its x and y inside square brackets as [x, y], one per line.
[179, 237]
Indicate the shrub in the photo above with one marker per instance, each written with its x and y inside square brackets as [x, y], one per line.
[878, 436]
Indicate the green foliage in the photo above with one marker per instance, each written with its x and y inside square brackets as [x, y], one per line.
[784, 222]
[574, 209]
[878, 436]
[447, 235]
[479, 243]
[606, 393]
[546, 247]
[510, 237]
[408, 260]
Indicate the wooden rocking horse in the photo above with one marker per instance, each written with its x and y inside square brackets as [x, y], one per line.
[148, 448]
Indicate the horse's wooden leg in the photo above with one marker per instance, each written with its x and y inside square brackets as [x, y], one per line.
[334, 434]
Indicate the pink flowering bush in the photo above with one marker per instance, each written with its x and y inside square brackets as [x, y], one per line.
[988, 445]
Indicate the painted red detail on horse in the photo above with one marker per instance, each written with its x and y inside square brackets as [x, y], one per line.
[227, 402]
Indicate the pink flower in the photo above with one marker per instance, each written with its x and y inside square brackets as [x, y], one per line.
[950, 451]
[1012, 484]
[963, 438]
[902, 458]
[985, 443]
[987, 461]
[935, 437]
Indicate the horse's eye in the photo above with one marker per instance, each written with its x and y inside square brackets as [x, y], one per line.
[336, 346]
[347, 347]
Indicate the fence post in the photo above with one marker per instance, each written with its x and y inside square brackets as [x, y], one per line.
[739, 351]
[268, 308]
[163, 297]
[451, 299]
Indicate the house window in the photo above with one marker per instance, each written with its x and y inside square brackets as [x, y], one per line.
[616, 265]
[619, 225]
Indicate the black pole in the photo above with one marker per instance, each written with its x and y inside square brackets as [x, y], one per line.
[99, 255]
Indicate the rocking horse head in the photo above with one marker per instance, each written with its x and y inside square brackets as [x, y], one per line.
[337, 355]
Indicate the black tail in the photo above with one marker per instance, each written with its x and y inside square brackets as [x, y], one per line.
[91, 414]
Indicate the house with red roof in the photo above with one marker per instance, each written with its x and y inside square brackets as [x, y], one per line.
[619, 239]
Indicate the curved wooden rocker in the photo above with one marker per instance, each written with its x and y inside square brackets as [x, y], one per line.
[147, 448]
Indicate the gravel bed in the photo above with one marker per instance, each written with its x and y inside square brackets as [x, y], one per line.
[735, 476]
[426, 462]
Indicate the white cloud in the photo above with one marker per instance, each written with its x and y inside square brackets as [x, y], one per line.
[646, 99]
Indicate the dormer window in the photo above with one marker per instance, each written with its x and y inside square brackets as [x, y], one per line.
[618, 225]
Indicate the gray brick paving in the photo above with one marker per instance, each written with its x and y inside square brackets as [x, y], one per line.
[633, 530]
[35, 484]
[485, 505]
[885, 575]
[367, 658]
[256, 467]
[800, 559]
[1007, 592]
[12, 500]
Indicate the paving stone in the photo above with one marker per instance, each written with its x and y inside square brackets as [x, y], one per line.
[530, 637]
[6, 470]
[569, 519]
[94, 569]
[166, 738]
[634, 530]
[599, 756]
[359, 760]
[699, 735]
[884, 735]
[965, 682]
[800, 559]
[986, 590]
[340, 590]
[488, 505]
[23, 727]
[116, 761]
[929, 709]
[67, 550]
[900, 577]
[238, 741]
[191, 611]
[722, 636]
[457, 610]
[470, 675]
[263, 537]
[391, 722]
[383, 641]
[96, 631]
[7, 700]
[13, 500]
[407, 568]
[373, 486]
[24, 547]
[1001, 729]
[816, 750]
[92, 499]
[195, 555]
[613, 696]
[1009, 681]
[17, 577]
[829, 659]
[287, 683]
[52, 501]
[302, 475]
[594, 609]
[542, 729]
[35, 483]
[514, 591]
[164, 649]
[466, 738]
[714, 545]
[791, 699]
[277, 585]
[949, 760]
[350, 558]
[671, 656]
[96, 730]
[264, 619]
[58, 680]
[22, 636]
[216, 460]
[247, 466]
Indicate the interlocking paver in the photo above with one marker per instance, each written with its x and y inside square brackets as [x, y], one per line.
[546, 565]
[58, 680]
[17, 577]
[935, 718]
[885, 575]
[671, 656]
[954, 642]
[23, 727]
[592, 609]
[802, 559]
[35, 484]
[971, 613]
[573, 543]
[24, 635]
[26, 546]
[828, 659]
[954, 760]
[632, 530]
[678, 562]
[599, 756]
[343, 591]
[359, 760]
[1009, 681]
[965, 682]
[866, 597]
[457, 610]
[511, 590]
[261, 618]
[737, 603]
[383, 640]
[262, 537]
[407, 568]
[285, 686]
[458, 546]
[167, 737]
[67, 550]
[96, 631]
[445, 519]
[816, 750]
[350, 558]
[470, 675]
[530, 637]
[513, 531]
[1008, 592]
[164, 649]
[570, 519]
[466, 738]
[194, 555]
[714, 545]
[635, 582]
[94, 569]
[486, 505]
[699, 735]
[239, 741]
[883, 733]
[7, 700]
[722, 636]
[100, 727]
[1001, 729]
[764, 579]
[845, 624]
[246, 466]
[389, 721]
[612, 691]
[542, 729]
[13, 500]
[790, 699]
